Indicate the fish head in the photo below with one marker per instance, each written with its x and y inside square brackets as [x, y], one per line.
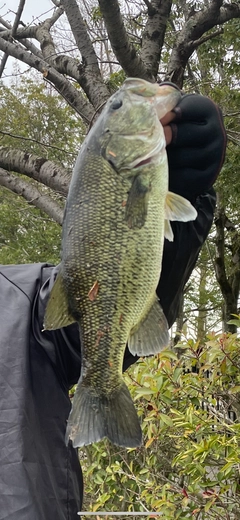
[132, 134]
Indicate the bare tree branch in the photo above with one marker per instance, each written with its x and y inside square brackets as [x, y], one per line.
[154, 33]
[121, 45]
[229, 285]
[199, 23]
[227, 12]
[6, 35]
[32, 48]
[44, 145]
[4, 23]
[204, 39]
[47, 172]
[148, 4]
[73, 97]
[62, 63]
[14, 28]
[90, 77]
[18, 16]
[3, 63]
[56, 3]
[31, 195]
[88, 73]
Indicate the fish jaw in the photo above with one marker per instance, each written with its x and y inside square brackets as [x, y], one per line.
[163, 97]
[134, 132]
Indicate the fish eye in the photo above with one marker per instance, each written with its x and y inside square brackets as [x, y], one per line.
[117, 103]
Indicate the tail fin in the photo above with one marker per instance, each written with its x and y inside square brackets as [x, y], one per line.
[95, 416]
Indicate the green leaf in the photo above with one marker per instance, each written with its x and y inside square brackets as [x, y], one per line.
[166, 419]
[234, 322]
[234, 389]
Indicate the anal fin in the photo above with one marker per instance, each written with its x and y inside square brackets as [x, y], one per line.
[151, 335]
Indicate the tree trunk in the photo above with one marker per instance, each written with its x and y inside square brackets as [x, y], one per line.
[179, 322]
[201, 319]
[228, 277]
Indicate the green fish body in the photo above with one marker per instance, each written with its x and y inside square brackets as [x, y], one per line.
[117, 214]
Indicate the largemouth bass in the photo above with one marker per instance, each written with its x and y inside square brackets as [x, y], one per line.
[117, 213]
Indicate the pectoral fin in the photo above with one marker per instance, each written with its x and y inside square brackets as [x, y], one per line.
[168, 232]
[151, 335]
[57, 311]
[137, 202]
[177, 208]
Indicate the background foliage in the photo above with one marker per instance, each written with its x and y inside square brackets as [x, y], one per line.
[189, 406]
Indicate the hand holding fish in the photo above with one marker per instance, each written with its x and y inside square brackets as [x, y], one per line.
[196, 145]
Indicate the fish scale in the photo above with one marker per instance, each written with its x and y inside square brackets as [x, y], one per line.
[113, 233]
[107, 266]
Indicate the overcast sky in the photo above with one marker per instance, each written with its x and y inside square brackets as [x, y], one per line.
[33, 9]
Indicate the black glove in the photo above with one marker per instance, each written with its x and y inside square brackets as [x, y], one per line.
[197, 151]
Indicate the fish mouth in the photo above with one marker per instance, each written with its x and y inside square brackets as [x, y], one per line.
[143, 162]
[150, 157]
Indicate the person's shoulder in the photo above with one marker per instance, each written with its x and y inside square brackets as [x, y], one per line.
[25, 277]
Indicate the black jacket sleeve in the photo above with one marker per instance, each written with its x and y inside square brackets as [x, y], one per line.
[180, 256]
[179, 259]
[40, 477]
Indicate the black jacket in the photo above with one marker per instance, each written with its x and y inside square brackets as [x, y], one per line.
[40, 478]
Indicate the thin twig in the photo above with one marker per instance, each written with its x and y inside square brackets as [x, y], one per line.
[197, 43]
[38, 142]
[13, 32]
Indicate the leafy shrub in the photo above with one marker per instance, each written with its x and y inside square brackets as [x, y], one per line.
[188, 401]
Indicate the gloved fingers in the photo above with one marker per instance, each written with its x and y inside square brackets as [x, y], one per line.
[196, 108]
[198, 141]
[198, 120]
[194, 158]
[190, 134]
